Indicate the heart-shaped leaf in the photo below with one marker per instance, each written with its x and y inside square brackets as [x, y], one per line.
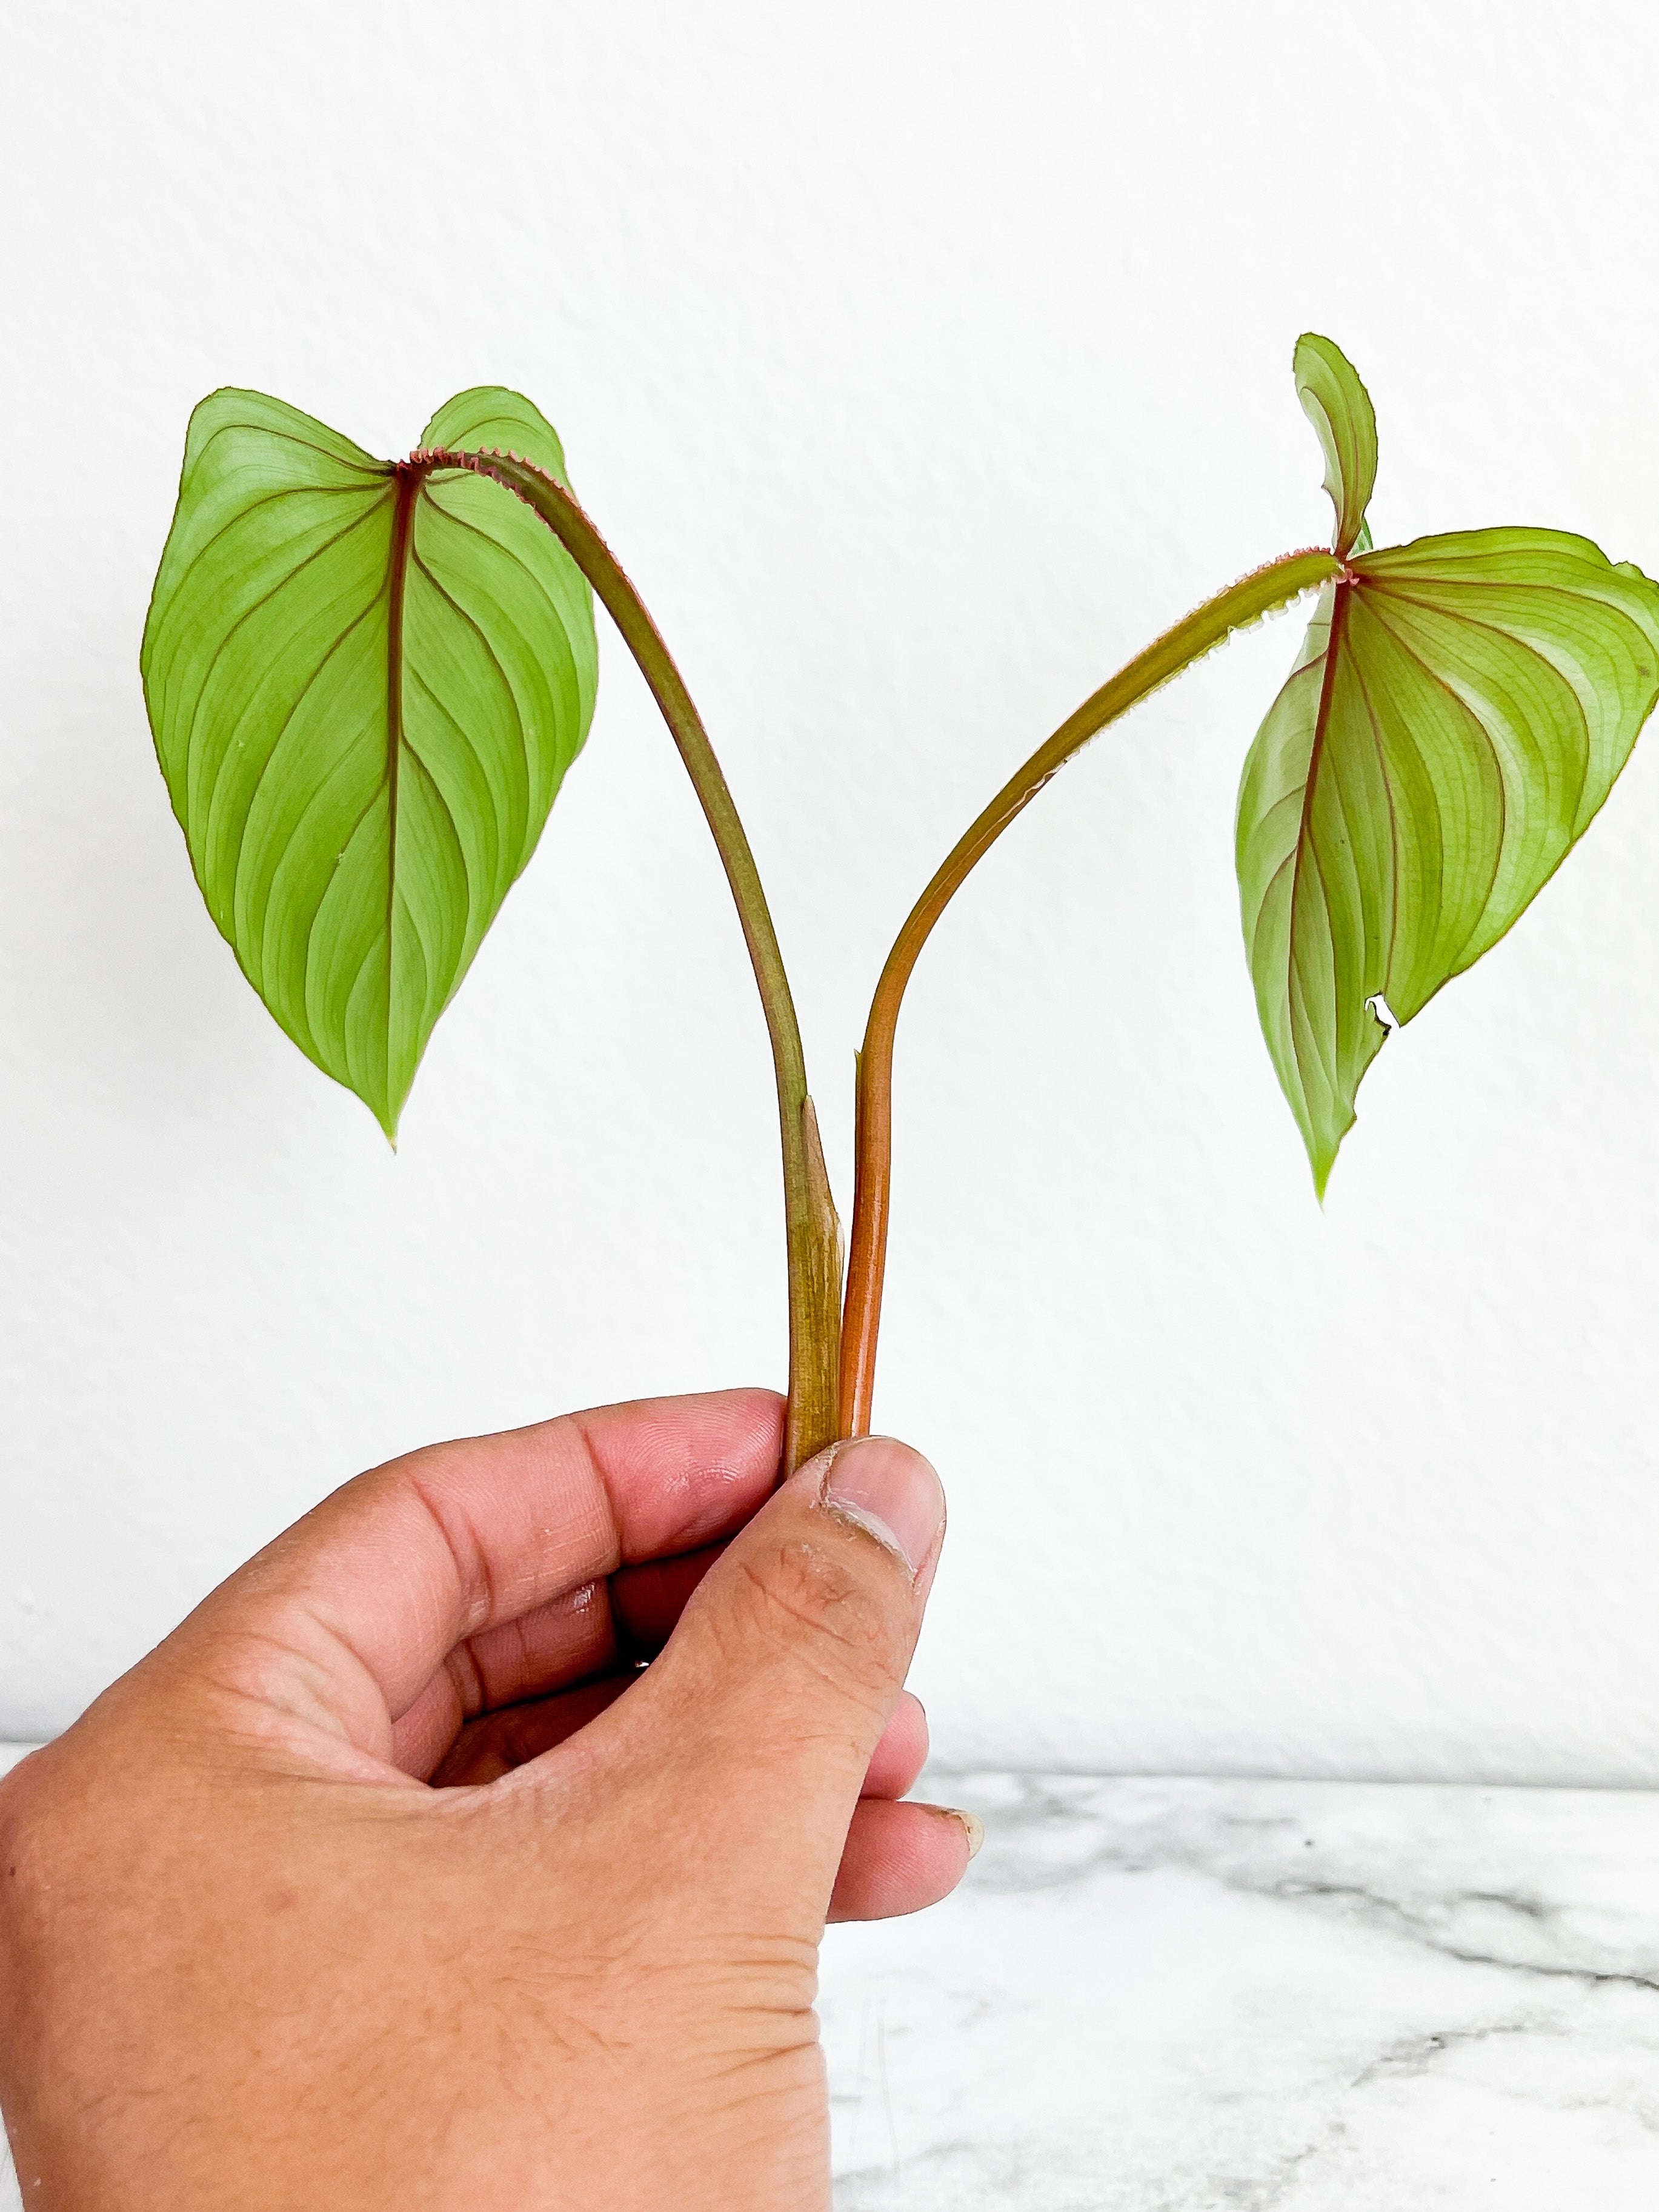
[1458, 713]
[366, 680]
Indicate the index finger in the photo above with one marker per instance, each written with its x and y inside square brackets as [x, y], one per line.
[351, 1610]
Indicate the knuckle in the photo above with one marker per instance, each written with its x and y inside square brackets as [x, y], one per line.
[22, 1796]
[851, 1634]
[38, 1853]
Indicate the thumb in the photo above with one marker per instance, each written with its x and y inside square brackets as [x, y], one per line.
[788, 1661]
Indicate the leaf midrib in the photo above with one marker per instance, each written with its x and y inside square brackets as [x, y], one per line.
[409, 481]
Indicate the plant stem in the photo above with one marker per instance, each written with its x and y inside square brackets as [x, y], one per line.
[1246, 601]
[812, 1232]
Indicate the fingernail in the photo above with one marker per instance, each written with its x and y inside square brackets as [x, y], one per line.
[889, 1490]
[970, 1824]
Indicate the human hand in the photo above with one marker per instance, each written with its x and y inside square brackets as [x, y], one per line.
[249, 1957]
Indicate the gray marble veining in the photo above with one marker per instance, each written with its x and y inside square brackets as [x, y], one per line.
[1238, 1997]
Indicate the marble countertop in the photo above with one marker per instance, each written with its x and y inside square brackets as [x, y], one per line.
[1259, 1997]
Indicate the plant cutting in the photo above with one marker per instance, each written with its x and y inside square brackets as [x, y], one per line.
[366, 680]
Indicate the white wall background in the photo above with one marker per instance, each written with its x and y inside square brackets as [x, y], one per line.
[922, 361]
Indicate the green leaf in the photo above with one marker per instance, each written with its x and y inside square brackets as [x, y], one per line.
[366, 680]
[1339, 408]
[1457, 714]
